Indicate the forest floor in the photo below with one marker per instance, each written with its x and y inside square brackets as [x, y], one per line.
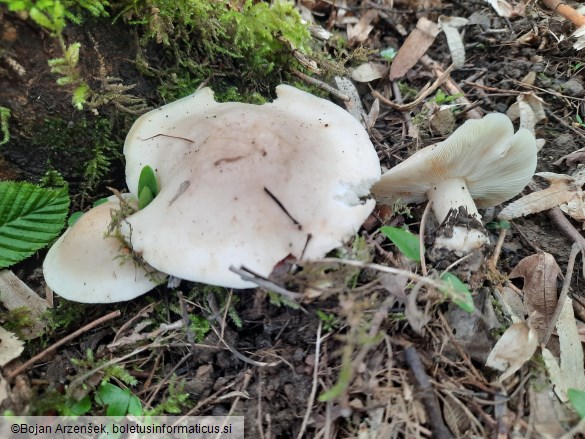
[400, 365]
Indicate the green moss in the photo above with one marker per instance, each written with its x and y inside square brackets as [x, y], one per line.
[225, 45]
[18, 320]
[81, 149]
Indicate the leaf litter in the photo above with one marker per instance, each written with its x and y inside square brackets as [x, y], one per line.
[443, 387]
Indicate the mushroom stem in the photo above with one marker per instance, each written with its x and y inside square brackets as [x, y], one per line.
[450, 194]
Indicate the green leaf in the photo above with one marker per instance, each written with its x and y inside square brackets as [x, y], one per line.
[99, 201]
[119, 402]
[577, 398]
[30, 218]
[145, 198]
[74, 218]
[78, 408]
[147, 179]
[457, 291]
[408, 243]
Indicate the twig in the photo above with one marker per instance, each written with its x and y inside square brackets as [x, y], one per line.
[451, 86]
[566, 227]
[315, 382]
[498, 248]
[420, 97]
[321, 84]
[61, 342]
[421, 243]
[427, 394]
[248, 275]
[564, 291]
[566, 11]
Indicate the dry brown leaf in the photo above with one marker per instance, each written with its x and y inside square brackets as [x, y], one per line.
[563, 188]
[360, 32]
[505, 9]
[514, 348]
[15, 294]
[572, 159]
[415, 46]
[529, 109]
[10, 347]
[369, 72]
[449, 26]
[569, 372]
[540, 272]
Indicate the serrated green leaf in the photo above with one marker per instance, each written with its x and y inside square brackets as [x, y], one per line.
[30, 218]
[457, 291]
[147, 179]
[577, 398]
[408, 243]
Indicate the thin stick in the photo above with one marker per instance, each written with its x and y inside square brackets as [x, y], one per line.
[61, 342]
[564, 291]
[248, 275]
[421, 244]
[322, 85]
[427, 394]
[498, 249]
[421, 96]
[315, 382]
[566, 11]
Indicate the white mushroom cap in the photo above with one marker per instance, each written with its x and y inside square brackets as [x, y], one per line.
[491, 162]
[84, 265]
[224, 169]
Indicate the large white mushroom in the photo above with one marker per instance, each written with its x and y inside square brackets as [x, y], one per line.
[248, 185]
[87, 266]
[482, 164]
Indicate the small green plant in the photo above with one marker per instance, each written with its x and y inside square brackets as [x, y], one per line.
[4, 133]
[176, 400]
[66, 68]
[442, 98]
[199, 326]
[330, 321]
[30, 218]
[147, 187]
[498, 225]
[454, 289]
[389, 53]
[577, 399]
[579, 120]
[118, 401]
[407, 243]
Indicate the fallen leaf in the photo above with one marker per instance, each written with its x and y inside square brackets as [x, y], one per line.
[569, 373]
[579, 34]
[572, 159]
[369, 72]
[15, 294]
[360, 32]
[540, 272]
[563, 188]
[514, 348]
[450, 26]
[354, 105]
[529, 109]
[505, 9]
[415, 46]
[545, 408]
[10, 347]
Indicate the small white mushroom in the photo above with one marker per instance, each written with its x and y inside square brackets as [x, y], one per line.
[483, 163]
[85, 266]
[247, 185]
